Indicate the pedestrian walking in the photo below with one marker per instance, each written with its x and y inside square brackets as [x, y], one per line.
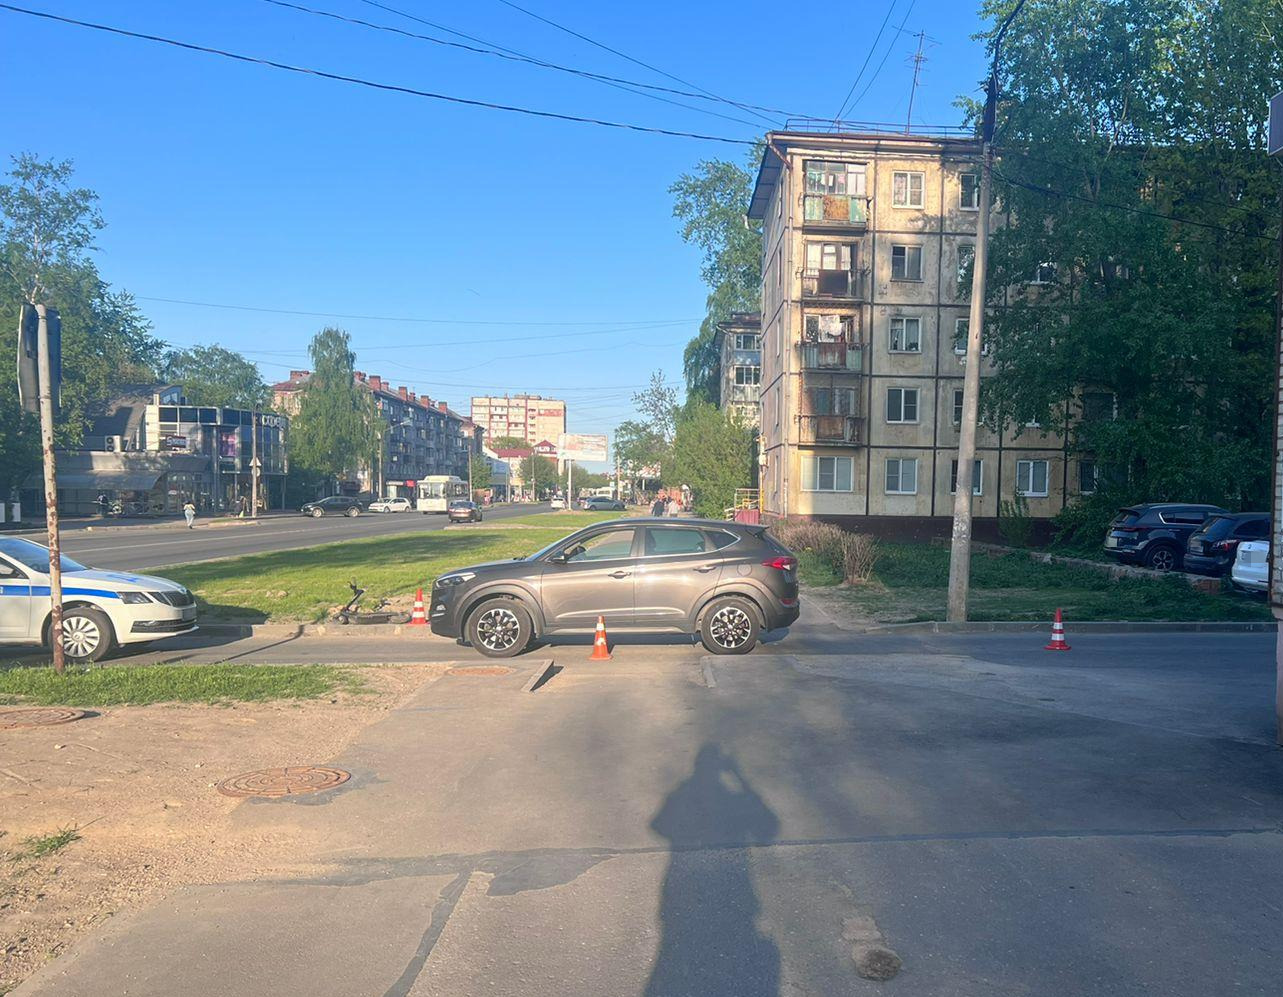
[658, 508]
[189, 512]
[243, 506]
[674, 507]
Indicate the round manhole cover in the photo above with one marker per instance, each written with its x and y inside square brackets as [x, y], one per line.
[481, 670]
[291, 781]
[43, 717]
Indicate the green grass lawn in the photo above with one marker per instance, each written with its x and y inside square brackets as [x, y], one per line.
[910, 580]
[566, 521]
[303, 585]
[140, 685]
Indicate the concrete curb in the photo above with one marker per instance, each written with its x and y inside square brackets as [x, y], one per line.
[1087, 628]
[288, 630]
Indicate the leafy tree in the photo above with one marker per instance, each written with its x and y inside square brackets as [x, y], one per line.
[480, 468]
[539, 473]
[337, 430]
[657, 405]
[1117, 113]
[713, 455]
[637, 446]
[46, 226]
[712, 203]
[508, 443]
[212, 375]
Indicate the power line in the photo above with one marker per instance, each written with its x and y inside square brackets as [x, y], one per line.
[864, 65]
[1051, 192]
[877, 72]
[625, 55]
[359, 81]
[628, 86]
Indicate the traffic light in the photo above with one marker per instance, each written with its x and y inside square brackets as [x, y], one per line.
[29, 358]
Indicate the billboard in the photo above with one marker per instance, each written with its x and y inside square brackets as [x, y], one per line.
[574, 446]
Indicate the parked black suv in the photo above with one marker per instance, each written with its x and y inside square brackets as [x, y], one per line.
[727, 582]
[1155, 534]
[1211, 549]
[335, 505]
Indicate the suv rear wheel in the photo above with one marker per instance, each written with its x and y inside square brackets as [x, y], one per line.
[317, 513]
[500, 628]
[729, 626]
[353, 512]
[1162, 557]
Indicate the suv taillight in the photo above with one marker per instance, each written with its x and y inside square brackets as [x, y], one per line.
[781, 563]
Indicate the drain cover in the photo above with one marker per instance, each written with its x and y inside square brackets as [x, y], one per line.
[292, 781]
[12, 719]
[481, 670]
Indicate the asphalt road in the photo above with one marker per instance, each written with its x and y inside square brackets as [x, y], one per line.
[998, 819]
[142, 546]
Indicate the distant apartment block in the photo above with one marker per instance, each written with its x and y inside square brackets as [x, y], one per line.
[740, 349]
[867, 243]
[532, 418]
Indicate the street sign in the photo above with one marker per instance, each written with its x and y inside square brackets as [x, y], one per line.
[571, 446]
[28, 361]
[1274, 138]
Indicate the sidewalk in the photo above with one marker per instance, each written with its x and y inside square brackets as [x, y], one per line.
[111, 523]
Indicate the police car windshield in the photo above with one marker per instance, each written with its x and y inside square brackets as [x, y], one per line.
[33, 556]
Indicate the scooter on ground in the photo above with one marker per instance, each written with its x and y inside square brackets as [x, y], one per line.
[353, 614]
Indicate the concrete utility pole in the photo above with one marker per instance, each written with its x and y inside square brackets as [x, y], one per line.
[51, 490]
[960, 549]
[1274, 147]
[254, 465]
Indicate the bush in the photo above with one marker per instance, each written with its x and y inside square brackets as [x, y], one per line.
[1014, 522]
[851, 555]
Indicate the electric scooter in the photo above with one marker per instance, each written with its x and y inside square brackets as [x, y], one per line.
[352, 614]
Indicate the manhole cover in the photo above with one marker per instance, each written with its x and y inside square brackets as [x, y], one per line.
[481, 670]
[12, 719]
[292, 781]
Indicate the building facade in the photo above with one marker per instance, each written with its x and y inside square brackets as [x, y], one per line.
[740, 349]
[865, 301]
[532, 418]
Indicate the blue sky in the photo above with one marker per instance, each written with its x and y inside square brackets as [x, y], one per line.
[542, 253]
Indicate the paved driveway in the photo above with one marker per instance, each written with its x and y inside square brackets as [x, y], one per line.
[1002, 820]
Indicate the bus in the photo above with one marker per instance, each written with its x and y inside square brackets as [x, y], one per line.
[435, 492]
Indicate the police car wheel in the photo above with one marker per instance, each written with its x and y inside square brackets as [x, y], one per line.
[86, 634]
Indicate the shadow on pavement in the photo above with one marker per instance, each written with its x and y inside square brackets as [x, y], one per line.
[710, 944]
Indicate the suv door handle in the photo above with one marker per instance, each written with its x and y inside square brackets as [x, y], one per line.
[704, 568]
[620, 574]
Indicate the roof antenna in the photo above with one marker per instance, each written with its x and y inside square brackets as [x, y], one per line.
[918, 59]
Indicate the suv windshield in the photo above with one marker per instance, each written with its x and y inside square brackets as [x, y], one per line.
[34, 556]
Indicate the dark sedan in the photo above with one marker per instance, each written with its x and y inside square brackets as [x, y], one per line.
[1211, 550]
[463, 511]
[599, 503]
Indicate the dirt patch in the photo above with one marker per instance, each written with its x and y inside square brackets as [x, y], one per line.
[139, 785]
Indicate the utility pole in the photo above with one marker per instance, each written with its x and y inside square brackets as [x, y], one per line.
[51, 486]
[254, 464]
[918, 60]
[1274, 147]
[960, 546]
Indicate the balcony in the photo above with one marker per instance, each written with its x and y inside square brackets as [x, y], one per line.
[842, 430]
[833, 284]
[846, 211]
[839, 357]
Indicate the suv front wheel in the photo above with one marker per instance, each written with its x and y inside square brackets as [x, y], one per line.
[500, 628]
[729, 626]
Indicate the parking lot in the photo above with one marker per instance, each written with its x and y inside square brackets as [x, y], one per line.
[993, 818]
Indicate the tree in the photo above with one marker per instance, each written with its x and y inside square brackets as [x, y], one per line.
[712, 203]
[508, 443]
[657, 405]
[336, 431]
[538, 473]
[713, 455]
[212, 375]
[480, 472]
[1120, 116]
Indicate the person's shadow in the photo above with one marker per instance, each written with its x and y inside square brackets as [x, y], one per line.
[710, 944]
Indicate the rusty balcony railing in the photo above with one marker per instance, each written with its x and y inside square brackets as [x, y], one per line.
[833, 284]
[842, 357]
[835, 429]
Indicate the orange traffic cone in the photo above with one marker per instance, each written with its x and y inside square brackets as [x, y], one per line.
[419, 618]
[1057, 635]
[600, 652]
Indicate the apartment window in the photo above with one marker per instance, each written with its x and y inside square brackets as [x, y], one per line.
[966, 260]
[1087, 478]
[1045, 273]
[977, 477]
[906, 189]
[828, 329]
[833, 401]
[834, 192]
[826, 474]
[1031, 478]
[829, 266]
[906, 262]
[969, 191]
[957, 406]
[906, 335]
[902, 404]
[779, 268]
[747, 341]
[1100, 406]
[961, 330]
[745, 374]
[902, 476]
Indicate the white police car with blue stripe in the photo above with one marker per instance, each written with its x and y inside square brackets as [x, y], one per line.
[100, 609]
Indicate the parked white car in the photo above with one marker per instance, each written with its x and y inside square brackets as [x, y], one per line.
[558, 502]
[100, 609]
[392, 505]
[1251, 569]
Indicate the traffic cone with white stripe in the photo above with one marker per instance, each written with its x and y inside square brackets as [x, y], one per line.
[600, 651]
[419, 618]
[1057, 635]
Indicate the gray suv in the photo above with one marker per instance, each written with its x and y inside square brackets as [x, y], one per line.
[727, 582]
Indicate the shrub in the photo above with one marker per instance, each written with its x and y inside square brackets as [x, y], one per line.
[1014, 522]
[860, 555]
[851, 555]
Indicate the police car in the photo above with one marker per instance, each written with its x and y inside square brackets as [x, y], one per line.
[101, 609]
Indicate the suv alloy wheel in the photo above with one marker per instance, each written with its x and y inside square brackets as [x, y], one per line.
[729, 626]
[500, 628]
[1161, 557]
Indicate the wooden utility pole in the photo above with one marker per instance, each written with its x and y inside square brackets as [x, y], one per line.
[960, 546]
[51, 490]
